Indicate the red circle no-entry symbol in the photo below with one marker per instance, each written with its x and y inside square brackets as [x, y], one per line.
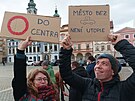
[17, 32]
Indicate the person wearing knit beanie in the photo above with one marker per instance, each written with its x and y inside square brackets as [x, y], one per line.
[113, 61]
[106, 86]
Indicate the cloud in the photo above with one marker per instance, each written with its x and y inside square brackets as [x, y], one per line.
[120, 11]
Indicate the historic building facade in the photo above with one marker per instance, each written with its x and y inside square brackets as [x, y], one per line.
[38, 51]
[127, 33]
[41, 50]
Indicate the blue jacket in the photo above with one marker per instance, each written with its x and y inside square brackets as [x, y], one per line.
[90, 69]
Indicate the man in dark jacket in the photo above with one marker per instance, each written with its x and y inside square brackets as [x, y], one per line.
[106, 86]
[74, 94]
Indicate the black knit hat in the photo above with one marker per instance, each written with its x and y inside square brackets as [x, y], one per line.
[113, 61]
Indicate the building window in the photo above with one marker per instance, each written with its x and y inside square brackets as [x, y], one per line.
[126, 36]
[38, 58]
[27, 50]
[30, 49]
[13, 43]
[87, 46]
[97, 48]
[16, 43]
[38, 49]
[34, 58]
[13, 51]
[108, 47]
[55, 48]
[102, 48]
[50, 46]
[9, 50]
[34, 49]
[30, 57]
[79, 46]
[45, 48]
[55, 57]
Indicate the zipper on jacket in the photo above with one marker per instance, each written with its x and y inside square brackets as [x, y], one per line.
[102, 88]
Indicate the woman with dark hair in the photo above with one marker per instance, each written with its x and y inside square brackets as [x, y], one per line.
[37, 87]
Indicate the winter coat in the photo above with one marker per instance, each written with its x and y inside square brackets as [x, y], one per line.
[74, 94]
[93, 90]
[19, 82]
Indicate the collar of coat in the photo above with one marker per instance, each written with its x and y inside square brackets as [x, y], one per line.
[107, 85]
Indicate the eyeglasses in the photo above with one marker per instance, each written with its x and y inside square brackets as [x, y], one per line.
[40, 79]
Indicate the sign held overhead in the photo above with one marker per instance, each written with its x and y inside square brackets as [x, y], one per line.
[40, 28]
[89, 23]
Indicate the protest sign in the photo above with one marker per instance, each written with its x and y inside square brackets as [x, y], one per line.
[40, 28]
[89, 23]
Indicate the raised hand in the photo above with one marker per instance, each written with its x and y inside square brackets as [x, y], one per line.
[24, 44]
[66, 42]
[114, 38]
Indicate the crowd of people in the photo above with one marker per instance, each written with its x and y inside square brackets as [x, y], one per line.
[100, 80]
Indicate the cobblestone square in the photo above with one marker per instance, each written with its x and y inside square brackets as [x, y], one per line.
[6, 75]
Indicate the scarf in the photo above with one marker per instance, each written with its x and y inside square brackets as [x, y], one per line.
[47, 93]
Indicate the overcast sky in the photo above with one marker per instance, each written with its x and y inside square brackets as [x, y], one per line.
[121, 11]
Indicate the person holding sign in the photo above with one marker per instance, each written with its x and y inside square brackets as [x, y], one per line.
[106, 86]
[37, 87]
